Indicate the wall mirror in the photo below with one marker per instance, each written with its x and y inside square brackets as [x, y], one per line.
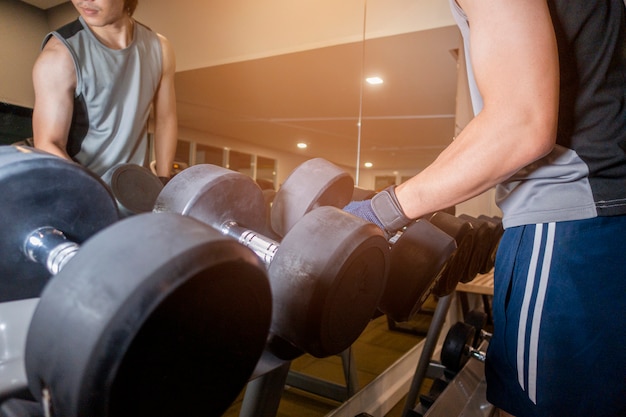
[319, 96]
[262, 77]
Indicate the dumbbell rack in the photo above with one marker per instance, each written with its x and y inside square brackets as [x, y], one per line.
[264, 390]
[396, 381]
[464, 395]
[483, 286]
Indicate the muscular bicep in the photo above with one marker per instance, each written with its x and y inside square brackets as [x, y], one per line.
[54, 82]
[515, 62]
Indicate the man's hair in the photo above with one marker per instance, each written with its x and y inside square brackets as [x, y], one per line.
[130, 6]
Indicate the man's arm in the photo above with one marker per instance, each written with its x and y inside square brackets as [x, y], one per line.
[54, 81]
[165, 117]
[515, 61]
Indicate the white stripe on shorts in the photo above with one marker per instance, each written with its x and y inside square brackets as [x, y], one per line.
[536, 317]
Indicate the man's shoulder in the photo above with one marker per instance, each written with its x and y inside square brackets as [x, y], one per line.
[69, 30]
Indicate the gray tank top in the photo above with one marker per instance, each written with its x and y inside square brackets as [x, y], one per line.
[113, 96]
[585, 175]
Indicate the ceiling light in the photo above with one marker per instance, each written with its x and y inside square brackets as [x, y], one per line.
[302, 145]
[368, 165]
[374, 80]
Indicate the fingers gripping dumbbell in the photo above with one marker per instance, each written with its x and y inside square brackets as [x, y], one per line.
[472, 236]
[326, 274]
[149, 287]
[418, 254]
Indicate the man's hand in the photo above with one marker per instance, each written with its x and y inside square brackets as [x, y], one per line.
[363, 209]
[383, 210]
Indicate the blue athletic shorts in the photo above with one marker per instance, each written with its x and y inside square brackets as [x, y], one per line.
[559, 309]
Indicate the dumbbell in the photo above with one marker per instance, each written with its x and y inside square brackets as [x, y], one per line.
[139, 290]
[459, 267]
[327, 273]
[478, 320]
[461, 343]
[134, 187]
[495, 223]
[40, 190]
[487, 238]
[418, 253]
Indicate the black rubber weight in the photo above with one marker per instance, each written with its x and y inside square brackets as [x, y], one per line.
[157, 315]
[455, 346]
[39, 189]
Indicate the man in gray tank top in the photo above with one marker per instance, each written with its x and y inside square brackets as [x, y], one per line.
[96, 81]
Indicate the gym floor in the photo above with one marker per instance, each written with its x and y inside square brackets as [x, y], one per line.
[376, 349]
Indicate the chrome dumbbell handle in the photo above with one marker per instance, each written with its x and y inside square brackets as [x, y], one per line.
[477, 354]
[264, 247]
[49, 247]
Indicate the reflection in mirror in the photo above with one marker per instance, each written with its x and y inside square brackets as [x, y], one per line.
[240, 162]
[15, 124]
[266, 172]
[183, 152]
[383, 181]
[206, 154]
[270, 101]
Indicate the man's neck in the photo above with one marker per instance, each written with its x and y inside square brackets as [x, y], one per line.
[117, 35]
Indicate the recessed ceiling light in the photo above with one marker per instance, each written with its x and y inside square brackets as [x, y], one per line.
[368, 165]
[374, 80]
[302, 145]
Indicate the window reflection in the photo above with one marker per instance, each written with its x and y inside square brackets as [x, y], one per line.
[206, 154]
[183, 152]
[266, 173]
[240, 162]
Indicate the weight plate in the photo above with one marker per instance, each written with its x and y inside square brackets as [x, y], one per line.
[134, 187]
[268, 197]
[214, 195]
[478, 320]
[498, 230]
[327, 278]
[417, 260]
[482, 245]
[454, 351]
[40, 189]
[314, 183]
[457, 267]
[157, 315]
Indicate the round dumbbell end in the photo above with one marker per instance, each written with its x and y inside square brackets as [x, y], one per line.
[315, 183]
[418, 257]
[134, 187]
[481, 248]
[457, 267]
[214, 195]
[455, 348]
[477, 319]
[39, 189]
[157, 315]
[327, 279]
